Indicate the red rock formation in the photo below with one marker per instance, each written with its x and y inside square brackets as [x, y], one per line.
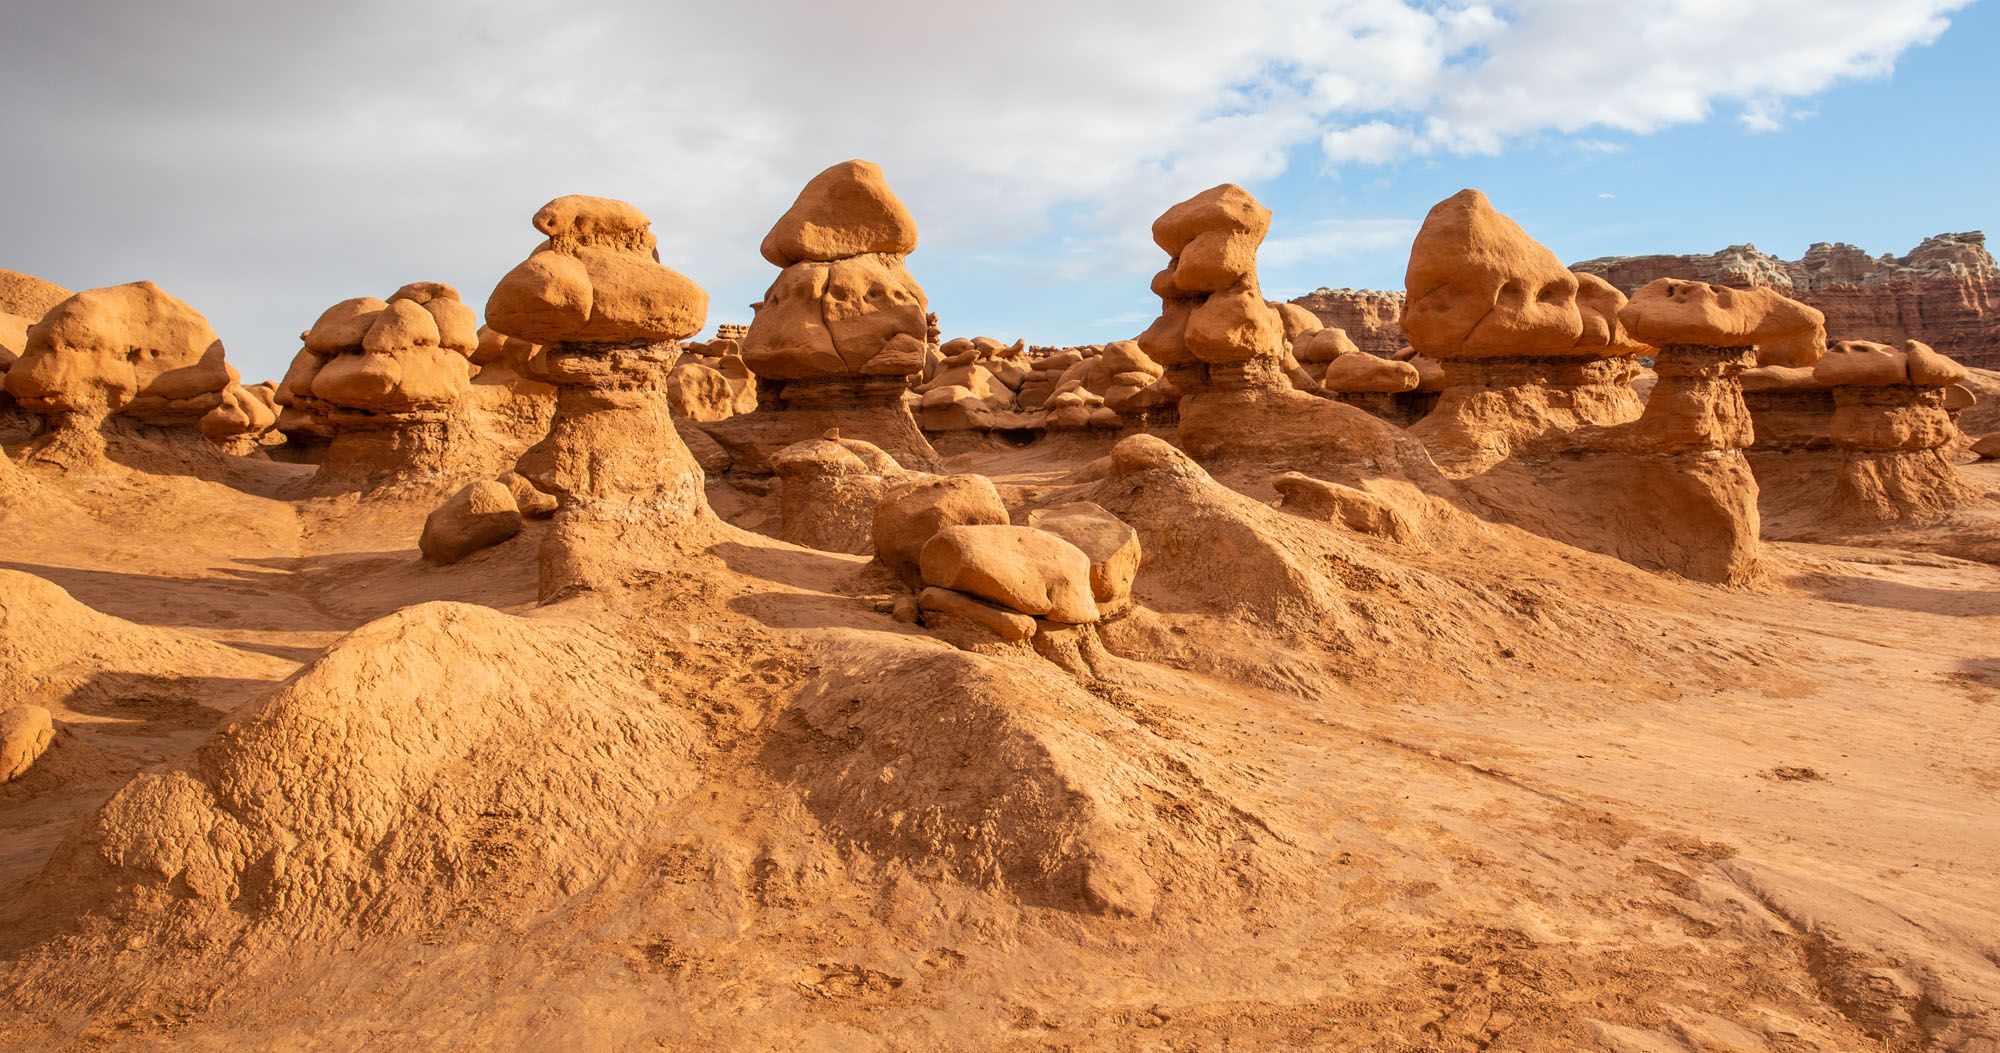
[1945, 293]
[1372, 317]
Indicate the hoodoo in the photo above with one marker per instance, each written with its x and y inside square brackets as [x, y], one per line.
[839, 334]
[1531, 353]
[1223, 346]
[610, 320]
[122, 373]
[385, 381]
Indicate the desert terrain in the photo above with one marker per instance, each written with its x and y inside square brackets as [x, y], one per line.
[1597, 671]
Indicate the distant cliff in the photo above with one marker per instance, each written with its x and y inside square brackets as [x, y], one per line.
[1946, 292]
[1372, 318]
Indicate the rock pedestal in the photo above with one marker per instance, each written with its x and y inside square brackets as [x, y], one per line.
[840, 333]
[610, 320]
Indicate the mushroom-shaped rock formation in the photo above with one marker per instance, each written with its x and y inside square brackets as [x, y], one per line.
[610, 320]
[841, 330]
[1537, 418]
[1706, 336]
[1890, 436]
[1223, 347]
[385, 381]
[127, 366]
[1531, 353]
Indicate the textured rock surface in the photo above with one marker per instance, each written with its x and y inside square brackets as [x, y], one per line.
[1945, 292]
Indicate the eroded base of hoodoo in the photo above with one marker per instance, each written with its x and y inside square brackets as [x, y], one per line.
[81, 444]
[1788, 420]
[400, 453]
[1694, 514]
[1249, 413]
[1493, 409]
[613, 459]
[871, 409]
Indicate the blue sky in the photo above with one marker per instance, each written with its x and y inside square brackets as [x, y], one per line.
[263, 161]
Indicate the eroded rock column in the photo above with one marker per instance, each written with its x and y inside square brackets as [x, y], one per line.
[610, 319]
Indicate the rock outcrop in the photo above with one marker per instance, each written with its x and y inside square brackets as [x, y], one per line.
[1531, 353]
[385, 380]
[1945, 293]
[841, 331]
[609, 318]
[124, 372]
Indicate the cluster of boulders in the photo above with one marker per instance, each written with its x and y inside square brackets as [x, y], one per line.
[981, 384]
[978, 577]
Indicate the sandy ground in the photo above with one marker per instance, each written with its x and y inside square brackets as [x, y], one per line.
[1599, 809]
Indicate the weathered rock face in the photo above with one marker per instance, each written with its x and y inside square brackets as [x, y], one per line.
[383, 380]
[1372, 318]
[626, 481]
[842, 329]
[124, 359]
[828, 490]
[1944, 293]
[1530, 353]
[24, 299]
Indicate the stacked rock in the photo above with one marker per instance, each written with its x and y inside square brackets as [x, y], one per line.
[1892, 427]
[1531, 353]
[127, 365]
[1223, 347]
[609, 318]
[383, 381]
[1215, 329]
[842, 330]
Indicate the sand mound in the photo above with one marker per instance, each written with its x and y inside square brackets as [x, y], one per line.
[1004, 774]
[56, 651]
[447, 760]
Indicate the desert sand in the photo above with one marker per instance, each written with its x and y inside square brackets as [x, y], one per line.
[570, 685]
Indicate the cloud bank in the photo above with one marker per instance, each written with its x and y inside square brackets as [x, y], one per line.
[266, 160]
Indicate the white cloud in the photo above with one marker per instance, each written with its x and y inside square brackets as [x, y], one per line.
[1333, 239]
[1373, 143]
[265, 160]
